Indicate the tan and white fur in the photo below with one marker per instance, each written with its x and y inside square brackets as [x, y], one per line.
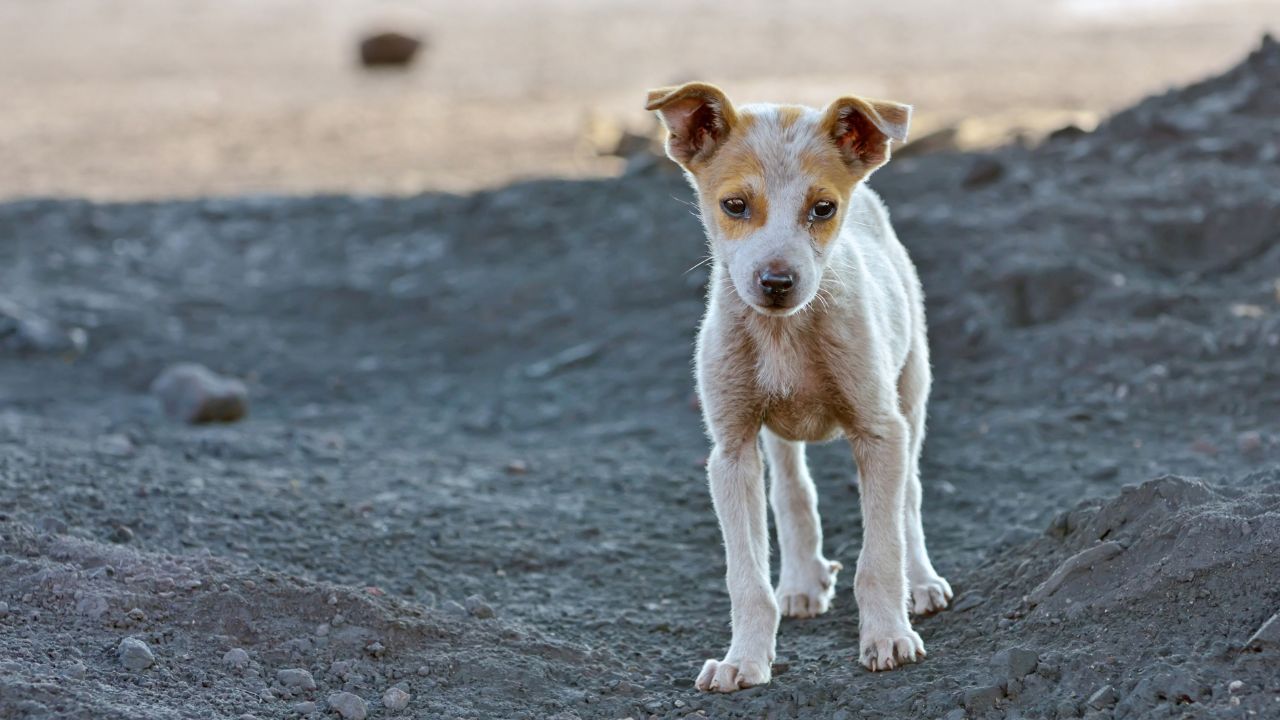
[814, 328]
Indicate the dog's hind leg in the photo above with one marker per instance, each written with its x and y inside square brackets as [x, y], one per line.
[807, 581]
[930, 592]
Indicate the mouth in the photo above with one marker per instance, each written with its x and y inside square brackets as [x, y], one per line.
[776, 307]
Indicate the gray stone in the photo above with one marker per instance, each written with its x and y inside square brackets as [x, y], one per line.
[1103, 698]
[195, 394]
[478, 607]
[305, 708]
[296, 679]
[981, 699]
[236, 658]
[1015, 663]
[349, 706]
[134, 654]
[395, 699]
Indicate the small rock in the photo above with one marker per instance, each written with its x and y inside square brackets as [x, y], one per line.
[375, 649]
[75, 671]
[423, 670]
[389, 49]
[195, 394]
[517, 467]
[134, 654]
[395, 699]
[478, 607]
[121, 534]
[1234, 686]
[4, 610]
[1015, 663]
[1103, 698]
[296, 679]
[981, 699]
[984, 171]
[305, 708]
[237, 658]
[349, 706]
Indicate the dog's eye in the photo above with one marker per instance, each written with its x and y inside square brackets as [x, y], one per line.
[822, 210]
[734, 207]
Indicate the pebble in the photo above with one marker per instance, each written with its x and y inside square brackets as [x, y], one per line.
[478, 607]
[305, 708]
[1015, 663]
[1105, 697]
[75, 671]
[349, 706]
[1234, 686]
[4, 610]
[134, 654]
[389, 49]
[195, 394]
[981, 699]
[395, 699]
[296, 678]
[236, 658]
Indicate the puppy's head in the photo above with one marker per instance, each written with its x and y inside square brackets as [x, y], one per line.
[773, 181]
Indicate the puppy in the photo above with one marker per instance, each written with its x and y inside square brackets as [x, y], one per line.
[814, 328]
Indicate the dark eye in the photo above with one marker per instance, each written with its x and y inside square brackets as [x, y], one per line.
[734, 207]
[822, 210]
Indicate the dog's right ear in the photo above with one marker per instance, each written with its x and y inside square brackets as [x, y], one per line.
[698, 118]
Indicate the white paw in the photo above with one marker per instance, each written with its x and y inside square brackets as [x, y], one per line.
[930, 595]
[806, 588]
[889, 646]
[729, 675]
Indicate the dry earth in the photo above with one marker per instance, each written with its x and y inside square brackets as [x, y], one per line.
[144, 99]
[471, 468]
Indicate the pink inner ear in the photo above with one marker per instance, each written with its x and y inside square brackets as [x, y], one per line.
[861, 139]
[695, 122]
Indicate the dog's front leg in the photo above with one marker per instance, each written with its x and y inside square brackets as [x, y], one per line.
[737, 491]
[880, 584]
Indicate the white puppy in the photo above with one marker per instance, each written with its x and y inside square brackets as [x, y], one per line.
[814, 328]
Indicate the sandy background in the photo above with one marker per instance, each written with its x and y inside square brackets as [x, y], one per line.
[154, 98]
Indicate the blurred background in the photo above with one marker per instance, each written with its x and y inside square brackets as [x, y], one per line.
[123, 99]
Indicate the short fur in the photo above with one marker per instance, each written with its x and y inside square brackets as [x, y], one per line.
[843, 351]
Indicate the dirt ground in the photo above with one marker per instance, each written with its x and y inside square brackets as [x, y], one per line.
[472, 468]
[144, 99]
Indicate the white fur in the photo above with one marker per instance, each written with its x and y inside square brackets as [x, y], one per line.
[851, 358]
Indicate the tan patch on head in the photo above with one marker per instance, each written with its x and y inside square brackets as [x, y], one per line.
[831, 179]
[735, 171]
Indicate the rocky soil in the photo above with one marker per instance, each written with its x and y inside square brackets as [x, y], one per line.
[470, 483]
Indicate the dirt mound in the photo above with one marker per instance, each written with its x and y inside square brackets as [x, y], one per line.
[480, 407]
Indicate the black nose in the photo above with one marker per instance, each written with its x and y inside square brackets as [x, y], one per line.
[777, 282]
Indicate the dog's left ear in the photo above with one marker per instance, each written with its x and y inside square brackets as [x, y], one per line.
[698, 118]
[863, 129]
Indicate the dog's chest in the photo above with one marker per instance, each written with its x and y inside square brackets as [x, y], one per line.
[801, 400]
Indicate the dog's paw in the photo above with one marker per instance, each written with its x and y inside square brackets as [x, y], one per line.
[890, 647]
[728, 676]
[805, 589]
[930, 595]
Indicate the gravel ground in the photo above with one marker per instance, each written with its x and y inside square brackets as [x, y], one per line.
[470, 482]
